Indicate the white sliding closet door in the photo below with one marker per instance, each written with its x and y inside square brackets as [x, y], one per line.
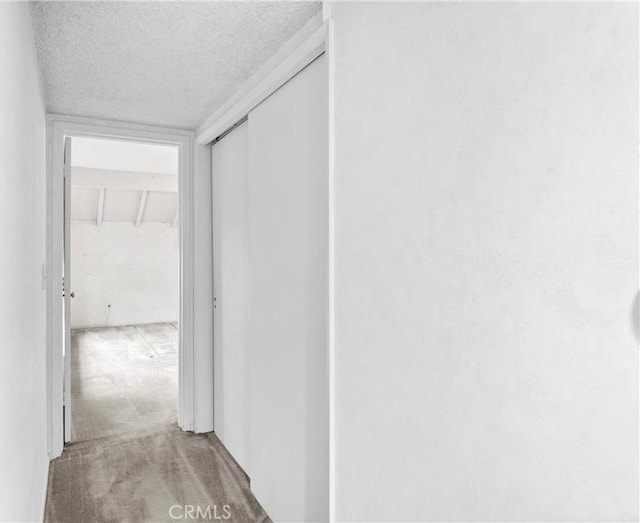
[288, 235]
[230, 167]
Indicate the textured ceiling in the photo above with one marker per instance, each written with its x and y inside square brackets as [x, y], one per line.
[161, 63]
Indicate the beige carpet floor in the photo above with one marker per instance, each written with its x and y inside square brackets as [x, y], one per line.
[129, 461]
[123, 379]
[149, 477]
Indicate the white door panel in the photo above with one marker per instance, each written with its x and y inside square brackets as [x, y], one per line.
[288, 237]
[230, 164]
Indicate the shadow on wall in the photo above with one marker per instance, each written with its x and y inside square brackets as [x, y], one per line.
[635, 316]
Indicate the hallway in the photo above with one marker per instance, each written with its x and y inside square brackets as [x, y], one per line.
[405, 256]
[148, 476]
[128, 460]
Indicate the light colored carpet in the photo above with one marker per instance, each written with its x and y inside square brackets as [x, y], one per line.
[141, 477]
[123, 379]
[129, 461]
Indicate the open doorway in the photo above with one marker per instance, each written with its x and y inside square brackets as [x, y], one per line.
[123, 286]
[195, 362]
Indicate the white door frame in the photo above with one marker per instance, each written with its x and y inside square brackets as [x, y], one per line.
[66, 289]
[59, 127]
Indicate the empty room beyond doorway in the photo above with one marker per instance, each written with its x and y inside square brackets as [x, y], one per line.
[124, 285]
[123, 379]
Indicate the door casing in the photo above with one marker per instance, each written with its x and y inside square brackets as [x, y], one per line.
[59, 127]
[66, 288]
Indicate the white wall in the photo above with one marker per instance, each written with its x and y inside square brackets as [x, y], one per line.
[203, 292]
[486, 261]
[124, 275]
[23, 445]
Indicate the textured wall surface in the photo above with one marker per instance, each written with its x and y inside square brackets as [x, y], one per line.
[124, 275]
[486, 261]
[23, 445]
[163, 63]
